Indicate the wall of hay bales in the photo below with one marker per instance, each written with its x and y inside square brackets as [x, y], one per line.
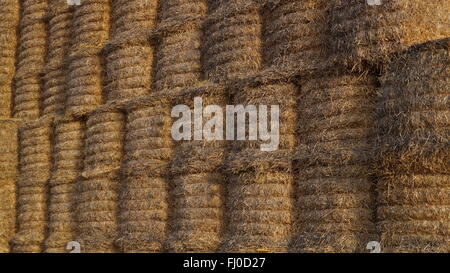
[86, 152]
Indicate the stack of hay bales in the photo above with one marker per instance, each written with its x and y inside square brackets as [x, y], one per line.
[296, 33]
[67, 166]
[9, 14]
[233, 44]
[414, 166]
[336, 134]
[35, 170]
[8, 177]
[261, 185]
[55, 81]
[178, 63]
[370, 34]
[90, 31]
[144, 207]
[30, 61]
[198, 189]
[97, 207]
[129, 56]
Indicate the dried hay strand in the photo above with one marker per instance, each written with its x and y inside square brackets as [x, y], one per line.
[198, 189]
[130, 15]
[104, 141]
[413, 160]
[68, 152]
[31, 54]
[232, 47]
[97, 213]
[35, 169]
[8, 177]
[178, 63]
[144, 212]
[85, 83]
[370, 34]
[9, 14]
[56, 67]
[335, 154]
[296, 33]
[129, 71]
[90, 25]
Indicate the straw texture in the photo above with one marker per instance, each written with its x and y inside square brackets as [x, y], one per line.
[414, 165]
[9, 14]
[90, 32]
[59, 17]
[335, 154]
[178, 59]
[8, 177]
[68, 144]
[35, 169]
[30, 60]
[144, 207]
[296, 33]
[232, 47]
[198, 185]
[370, 34]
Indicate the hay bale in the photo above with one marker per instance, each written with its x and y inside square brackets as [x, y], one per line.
[56, 68]
[296, 33]
[198, 190]
[130, 15]
[9, 14]
[414, 166]
[232, 47]
[129, 71]
[97, 213]
[31, 54]
[90, 26]
[335, 154]
[35, 169]
[104, 141]
[85, 83]
[178, 59]
[8, 177]
[68, 152]
[261, 184]
[144, 207]
[370, 34]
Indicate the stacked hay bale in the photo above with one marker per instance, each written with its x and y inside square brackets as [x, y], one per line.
[370, 34]
[414, 166]
[97, 207]
[144, 207]
[129, 55]
[68, 153]
[198, 190]
[35, 170]
[9, 14]
[233, 44]
[90, 31]
[336, 134]
[30, 59]
[261, 186]
[8, 177]
[178, 63]
[296, 33]
[55, 81]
